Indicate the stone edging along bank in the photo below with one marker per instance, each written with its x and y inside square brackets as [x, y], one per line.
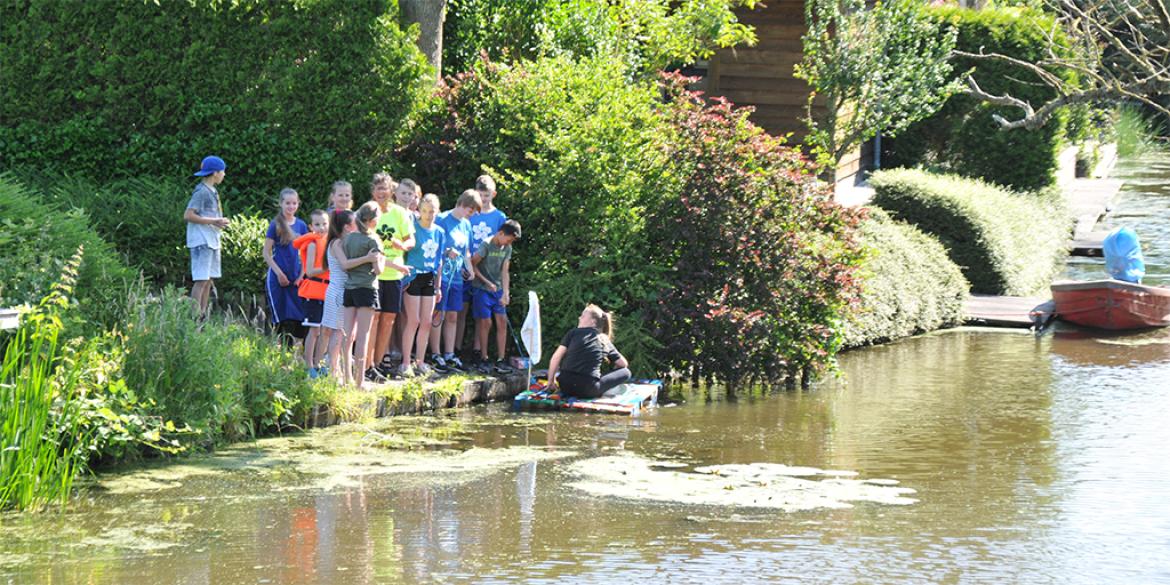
[375, 404]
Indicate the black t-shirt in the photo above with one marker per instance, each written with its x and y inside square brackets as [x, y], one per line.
[586, 348]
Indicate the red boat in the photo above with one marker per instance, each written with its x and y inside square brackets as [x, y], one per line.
[1112, 304]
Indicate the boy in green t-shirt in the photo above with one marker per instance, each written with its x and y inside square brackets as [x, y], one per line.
[489, 297]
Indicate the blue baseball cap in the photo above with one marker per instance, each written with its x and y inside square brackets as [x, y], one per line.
[211, 164]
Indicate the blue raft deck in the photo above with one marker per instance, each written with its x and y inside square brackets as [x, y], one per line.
[629, 399]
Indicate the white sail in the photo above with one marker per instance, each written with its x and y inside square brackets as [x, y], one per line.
[530, 331]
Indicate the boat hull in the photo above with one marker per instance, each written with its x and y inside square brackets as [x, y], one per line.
[1112, 304]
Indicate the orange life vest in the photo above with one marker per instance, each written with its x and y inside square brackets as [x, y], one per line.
[312, 287]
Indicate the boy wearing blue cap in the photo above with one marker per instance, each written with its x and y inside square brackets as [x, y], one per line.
[205, 221]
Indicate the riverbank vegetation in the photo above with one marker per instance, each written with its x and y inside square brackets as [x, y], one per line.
[909, 284]
[1005, 243]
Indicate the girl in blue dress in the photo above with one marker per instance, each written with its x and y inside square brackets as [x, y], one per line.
[284, 266]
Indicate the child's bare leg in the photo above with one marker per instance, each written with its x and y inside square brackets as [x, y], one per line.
[449, 331]
[349, 320]
[324, 336]
[461, 329]
[481, 335]
[311, 346]
[410, 305]
[336, 342]
[426, 307]
[396, 338]
[501, 320]
[364, 317]
[385, 331]
[436, 337]
[201, 294]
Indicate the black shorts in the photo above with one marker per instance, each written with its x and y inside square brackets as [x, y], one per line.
[313, 309]
[360, 297]
[423, 285]
[389, 295]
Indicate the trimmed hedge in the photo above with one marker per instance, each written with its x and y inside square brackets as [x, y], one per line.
[1005, 243]
[288, 92]
[962, 137]
[37, 240]
[909, 285]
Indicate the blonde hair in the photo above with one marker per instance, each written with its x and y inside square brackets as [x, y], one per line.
[369, 210]
[284, 233]
[603, 320]
[470, 198]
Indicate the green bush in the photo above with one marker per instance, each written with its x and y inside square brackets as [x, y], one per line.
[1004, 242]
[288, 92]
[638, 205]
[38, 239]
[143, 219]
[909, 285]
[578, 156]
[761, 262]
[222, 377]
[962, 137]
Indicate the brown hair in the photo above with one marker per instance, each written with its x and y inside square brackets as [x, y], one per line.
[470, 198]
[382, 179]
[284, 233]
[337, 223]
[603, 320]
[485, 183]
[369, 210]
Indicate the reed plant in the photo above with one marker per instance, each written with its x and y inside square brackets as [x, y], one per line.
[42, 444]
[1137, 134]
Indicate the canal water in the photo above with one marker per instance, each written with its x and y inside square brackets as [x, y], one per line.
[968, 456]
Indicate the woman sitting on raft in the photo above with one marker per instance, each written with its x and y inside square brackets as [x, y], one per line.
[576, 364]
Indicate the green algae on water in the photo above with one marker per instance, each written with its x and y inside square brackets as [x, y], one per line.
[757, 485]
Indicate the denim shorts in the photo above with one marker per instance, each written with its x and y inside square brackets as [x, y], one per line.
[204, 263]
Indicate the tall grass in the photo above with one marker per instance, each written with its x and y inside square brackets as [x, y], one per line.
[42, 448]
[1137, 134]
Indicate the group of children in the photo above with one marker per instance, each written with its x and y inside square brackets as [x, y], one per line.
[342, 281]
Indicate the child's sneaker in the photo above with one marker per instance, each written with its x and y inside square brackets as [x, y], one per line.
[422, 369]
[502, 367]
[373, 375]
[405, 371]
[454, 363]
[313, 373]
[439, 362]
[483, 366]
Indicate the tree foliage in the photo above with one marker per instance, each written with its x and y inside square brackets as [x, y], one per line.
[870, 70]
[1122, 51]
[647, 35]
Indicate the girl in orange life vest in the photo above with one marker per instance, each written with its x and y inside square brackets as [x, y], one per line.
[312, 289]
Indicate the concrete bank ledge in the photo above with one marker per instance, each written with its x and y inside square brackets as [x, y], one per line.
[374, 403]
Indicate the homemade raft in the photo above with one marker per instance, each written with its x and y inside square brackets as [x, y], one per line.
[630, 399]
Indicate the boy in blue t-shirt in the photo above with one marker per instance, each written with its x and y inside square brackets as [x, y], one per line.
[484, 226]
[456, 266]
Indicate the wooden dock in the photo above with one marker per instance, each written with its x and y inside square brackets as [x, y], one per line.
[995, 311]
[1090, 244]
[1089, 200]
